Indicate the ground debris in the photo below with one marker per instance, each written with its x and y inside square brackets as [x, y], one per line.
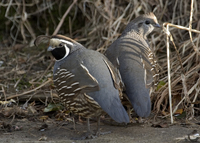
[43, 127]
[192, 137]
[160, 125]
[43, 138]
[8, 127]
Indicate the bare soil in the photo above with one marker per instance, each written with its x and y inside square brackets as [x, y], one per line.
[30, 130]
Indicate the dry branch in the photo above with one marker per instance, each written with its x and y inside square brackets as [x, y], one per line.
[64, 16]
[30, 91]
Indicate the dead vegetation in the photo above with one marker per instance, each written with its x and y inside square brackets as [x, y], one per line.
[26, 71]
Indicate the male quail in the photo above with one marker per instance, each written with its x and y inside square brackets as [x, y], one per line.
[86, 82]
[134, 58]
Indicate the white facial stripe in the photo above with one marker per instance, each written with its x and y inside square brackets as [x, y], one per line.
[67, 42]
[67, 51]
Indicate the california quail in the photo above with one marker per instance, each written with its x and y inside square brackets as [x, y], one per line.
[87, 83]
[134, 58]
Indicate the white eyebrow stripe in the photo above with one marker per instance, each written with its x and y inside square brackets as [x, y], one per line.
[65, 41]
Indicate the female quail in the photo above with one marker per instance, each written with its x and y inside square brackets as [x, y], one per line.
[133, 56]
[87, 83]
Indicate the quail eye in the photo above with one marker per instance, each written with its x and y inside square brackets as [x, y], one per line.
[61, 45]
[147, 22]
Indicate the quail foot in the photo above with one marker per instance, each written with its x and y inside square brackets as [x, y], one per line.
[86, 82]
[133, 56]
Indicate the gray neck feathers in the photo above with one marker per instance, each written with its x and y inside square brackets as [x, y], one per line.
[134, 29]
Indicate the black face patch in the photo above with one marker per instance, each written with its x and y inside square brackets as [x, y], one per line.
[59, 53]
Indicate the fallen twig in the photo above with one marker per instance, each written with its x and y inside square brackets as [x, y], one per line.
[26, 92]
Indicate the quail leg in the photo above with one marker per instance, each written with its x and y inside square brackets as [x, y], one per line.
[88, 134]
[98, 128]
[88, 125]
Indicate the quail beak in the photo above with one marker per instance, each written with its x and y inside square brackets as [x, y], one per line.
[157, 25]
[50, 49]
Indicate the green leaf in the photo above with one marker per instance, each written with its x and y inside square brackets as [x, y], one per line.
[160, 84]
[53, 107]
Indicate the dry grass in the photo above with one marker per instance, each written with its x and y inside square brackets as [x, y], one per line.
[96, 24]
